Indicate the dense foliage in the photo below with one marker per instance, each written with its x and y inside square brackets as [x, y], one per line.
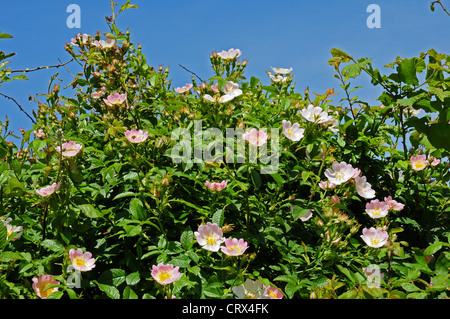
[131, 170]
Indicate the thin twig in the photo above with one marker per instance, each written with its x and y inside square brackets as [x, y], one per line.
[192, 73]
[42, 67]
[20, 107]
[64, 65]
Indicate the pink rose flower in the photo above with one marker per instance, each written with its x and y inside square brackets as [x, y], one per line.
[115, 99]
[255, 137]
[375, 238]
[39, 285]
[209, 236]
[70, 149]
[214, 186]
[135, 136]
[418, 162]
[165, 274]
[46, 191]
[377, 209]
[81, 261]
[234, 247]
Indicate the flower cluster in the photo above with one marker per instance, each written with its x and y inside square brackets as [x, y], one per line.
[210, 237]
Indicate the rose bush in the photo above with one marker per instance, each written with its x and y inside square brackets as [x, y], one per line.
[351, 201]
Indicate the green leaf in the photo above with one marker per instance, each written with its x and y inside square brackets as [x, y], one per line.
[299, 212]
[137, 209]
[3, 236]
[110, 291]
[5, 35]
[133, 278]
[433, 248]
[128, 293]
[218, 217]
[52, 244]
[186, 239]
[408, 69]
[90, 211]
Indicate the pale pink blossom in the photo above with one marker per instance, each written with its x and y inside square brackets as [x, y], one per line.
[418, 162]
[326, 185]
[214, 186]
[273, 293]
[292, 132]
[308, 216]
[375, 238]
[81, 261]
[255, 137]
[46, 191]
[39, 285]
[278, 78]
[434, 160]
[184, 89]
[232, 89]
[215, 87]
[219, 98]
[136, 136]
[234, 247]
[377, 209]
[393, 205]
[80, 38]
[210, 236]
[104, 44]
[374, 277]
[315, 114]
[69, 149]
[115, 99]
[165, 274]
[39, 133]
[230, 54]
[363, 188]
[99, 93]
[339, 173]
[281, 70]
[11, 229]
[251, 289]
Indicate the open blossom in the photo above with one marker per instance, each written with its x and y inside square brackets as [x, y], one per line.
[393, 205]
[315, 114]
[281, 70]
[219, 98]
[10, 230]
[83, 38]
[255, 137]
[46, 191]
[99, 93]
[210, 236]
[234, 247]
[374, 277]
[115, 99]
[418, 162]
[273, 293]
[135, 136]
[292, 132]
[339, 173]
[363, 188]
[81, 261]
[184, 89]
[214, 186]
[232, 89]
[165, 274]
[308, 216]
[40, 133]
[230, 54]
[39, 285]
[375, 238]
[104, 44]
[251, 289]
[278, 78]
[377, 209]
[70, 149]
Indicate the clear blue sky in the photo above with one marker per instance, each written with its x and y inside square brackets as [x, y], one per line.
[280, 33]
